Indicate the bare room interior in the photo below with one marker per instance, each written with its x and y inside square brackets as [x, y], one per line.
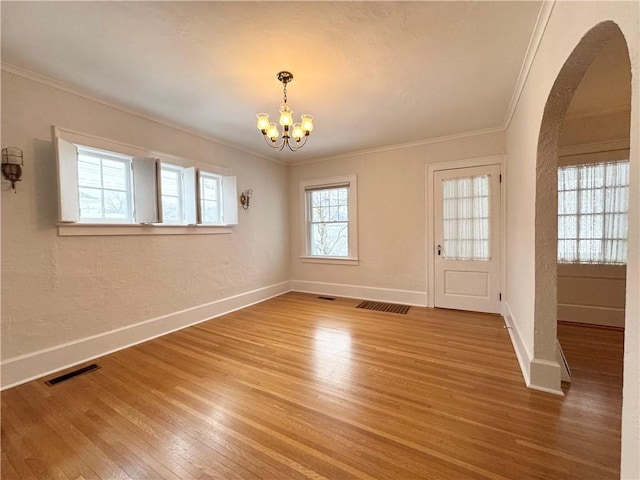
[285, 240]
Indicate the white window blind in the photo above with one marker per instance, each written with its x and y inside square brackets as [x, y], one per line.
[592, 213]
[465, 214]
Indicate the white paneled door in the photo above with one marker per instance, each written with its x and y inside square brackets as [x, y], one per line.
[467, 238]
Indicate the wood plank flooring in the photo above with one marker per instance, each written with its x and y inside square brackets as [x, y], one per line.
[298, 387]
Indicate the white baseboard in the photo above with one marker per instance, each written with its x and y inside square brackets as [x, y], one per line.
[607, 316]
[24, 368]
[405, 297]
[545, 376]
[522, 354]
[538, 374]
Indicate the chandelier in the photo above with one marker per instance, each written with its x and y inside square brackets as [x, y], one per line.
[298, 132]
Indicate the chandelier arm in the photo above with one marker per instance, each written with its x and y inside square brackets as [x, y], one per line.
[275, 146]
[298, 145]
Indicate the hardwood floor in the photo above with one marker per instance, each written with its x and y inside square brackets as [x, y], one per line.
[298, 387]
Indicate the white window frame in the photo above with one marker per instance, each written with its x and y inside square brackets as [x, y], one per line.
[187, 194]
[202, 175]
[104, 155]
[180, 197]
[145, 181]
[305, 219]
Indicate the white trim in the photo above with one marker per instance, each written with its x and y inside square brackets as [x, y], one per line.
[430, 169]
[591, 315]
[531, 367]
[30, 366]
[126, 149]
[329, 260]
[405, 297]
[522, 354]
[545, 376]
[105, 229]
[352, 224]
[67, 88]
[399, 146]
[534, 43]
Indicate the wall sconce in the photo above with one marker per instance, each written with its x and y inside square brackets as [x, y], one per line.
[12, 163]
[245, 198]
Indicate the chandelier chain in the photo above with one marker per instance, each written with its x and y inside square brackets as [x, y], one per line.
[285, 92]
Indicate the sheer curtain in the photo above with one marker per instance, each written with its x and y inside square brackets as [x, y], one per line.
[465, 213]
[592, 213]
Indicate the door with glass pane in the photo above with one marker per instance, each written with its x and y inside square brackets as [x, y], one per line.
[467, 238]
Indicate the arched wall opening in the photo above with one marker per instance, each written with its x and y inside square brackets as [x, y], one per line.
[545, 369]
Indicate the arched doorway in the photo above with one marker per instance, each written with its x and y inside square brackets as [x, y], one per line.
[546, 203]
[593, 168]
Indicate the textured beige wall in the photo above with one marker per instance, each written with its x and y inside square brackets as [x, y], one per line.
[568, 23]
[391, 212]
[60, 289]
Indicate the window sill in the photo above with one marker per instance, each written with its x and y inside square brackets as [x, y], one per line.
[330, 260]
[114, 229]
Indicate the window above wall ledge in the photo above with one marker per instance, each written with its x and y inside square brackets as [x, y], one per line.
[109, 188]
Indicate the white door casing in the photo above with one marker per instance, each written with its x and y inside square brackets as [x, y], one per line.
[467, 238]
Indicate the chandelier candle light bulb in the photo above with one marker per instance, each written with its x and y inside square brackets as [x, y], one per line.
[299, 131]
[263, 121]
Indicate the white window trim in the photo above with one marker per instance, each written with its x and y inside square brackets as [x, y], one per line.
[352, 259]
[179, 172]
[202, 175]
[66, 229]
[102, 155]
[95, 229]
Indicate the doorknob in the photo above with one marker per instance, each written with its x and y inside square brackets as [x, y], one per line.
[439, 249]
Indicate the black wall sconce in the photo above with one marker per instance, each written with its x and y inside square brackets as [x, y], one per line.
[12, 163]
[245, 198]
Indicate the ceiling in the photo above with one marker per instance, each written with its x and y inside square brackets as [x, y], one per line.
[372, 74]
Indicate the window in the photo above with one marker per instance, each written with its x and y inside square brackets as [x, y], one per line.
[465, 217]
[172, 191]
[178, 194]
[330, 219]
[101, 186]
[210, 198]
[104, 187]
[592, 213]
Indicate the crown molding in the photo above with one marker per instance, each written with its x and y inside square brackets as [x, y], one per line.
[67, 88]
[534, 43]
[399, 146]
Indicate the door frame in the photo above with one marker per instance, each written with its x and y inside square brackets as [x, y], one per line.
[430, 169]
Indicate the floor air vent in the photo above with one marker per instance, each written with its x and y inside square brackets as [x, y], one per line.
[384, 307]
[70, 375]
